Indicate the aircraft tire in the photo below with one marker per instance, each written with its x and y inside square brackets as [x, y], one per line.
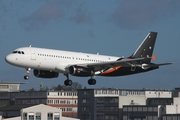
[91, 81]
[26, 77]
[68, 82]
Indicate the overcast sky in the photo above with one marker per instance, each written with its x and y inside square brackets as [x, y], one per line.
[110, 27]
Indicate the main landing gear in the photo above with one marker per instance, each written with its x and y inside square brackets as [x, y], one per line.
[67, 82]
[26, 77]
[91, 81]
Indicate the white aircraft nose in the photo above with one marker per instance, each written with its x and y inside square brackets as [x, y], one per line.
[9, 59]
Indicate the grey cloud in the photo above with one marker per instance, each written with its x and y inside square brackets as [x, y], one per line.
[46, 13]
[82, 16]
[142, 13]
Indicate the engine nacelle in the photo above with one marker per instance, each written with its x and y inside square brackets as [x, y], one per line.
[145, 66]
[150, 66]
[80, 71]
[45, 74]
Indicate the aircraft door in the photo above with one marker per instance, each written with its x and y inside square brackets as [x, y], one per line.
[33, 54]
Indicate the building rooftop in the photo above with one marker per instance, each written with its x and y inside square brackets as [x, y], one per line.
[14, 107]
[2, 82]
[143, 89]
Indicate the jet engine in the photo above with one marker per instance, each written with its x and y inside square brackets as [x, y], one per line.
[149, 66]
[80, 71]
[145, 66]
[45, 74]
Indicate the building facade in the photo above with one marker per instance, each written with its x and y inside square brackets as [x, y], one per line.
[121, 104]
[172, 111]
[65, 100]
[40, 112]
[10, 86]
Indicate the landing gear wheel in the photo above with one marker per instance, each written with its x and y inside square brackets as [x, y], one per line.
[91, 81]
[26, 77]
[68, 82]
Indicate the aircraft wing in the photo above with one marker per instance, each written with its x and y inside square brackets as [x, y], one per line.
[113, 64]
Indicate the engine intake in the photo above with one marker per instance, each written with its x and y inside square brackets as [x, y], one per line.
[80, 71]
[45, 74]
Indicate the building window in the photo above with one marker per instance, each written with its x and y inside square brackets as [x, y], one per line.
[38, 116]
[85, 100]
[155, 109]
[69, 109]
[50, 116]
[100, 117]
[116, 92]
[125, 108]
[24, 116]
[86, 92]
[144, 108]
[86, 117]
[100, 100]
[4, 86]
[100, 109]
[56, 116]
[104, 92]
[85, 108]
[31, 116]
[150, 109]
[129, 108]
[139, 108]
[106, 117]
[97, 91]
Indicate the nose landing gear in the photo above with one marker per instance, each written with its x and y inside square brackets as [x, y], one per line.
[26, 77]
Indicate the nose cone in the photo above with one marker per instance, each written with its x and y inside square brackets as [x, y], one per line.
[9, 59]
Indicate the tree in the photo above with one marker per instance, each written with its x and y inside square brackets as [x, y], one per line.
[58, 88]
[32, 89]
[76, 86]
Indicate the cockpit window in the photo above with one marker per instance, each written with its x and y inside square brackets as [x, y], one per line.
[14, 52]
[19, 52]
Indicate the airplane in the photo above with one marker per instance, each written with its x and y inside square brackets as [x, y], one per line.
[48, 63]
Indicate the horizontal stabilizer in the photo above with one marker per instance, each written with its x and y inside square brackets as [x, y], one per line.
[165, 64]
[146, 66]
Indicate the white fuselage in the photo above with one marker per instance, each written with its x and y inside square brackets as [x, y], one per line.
[52, 60]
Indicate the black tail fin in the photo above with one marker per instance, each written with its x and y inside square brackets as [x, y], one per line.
[146, 47]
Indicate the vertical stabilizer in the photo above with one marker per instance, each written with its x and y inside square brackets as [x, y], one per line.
[146, 47]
